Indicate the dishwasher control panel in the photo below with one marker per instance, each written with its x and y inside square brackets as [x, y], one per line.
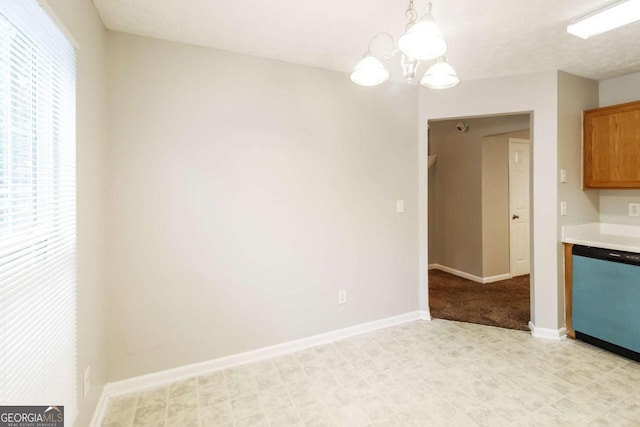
[631, 257]
[607, 254]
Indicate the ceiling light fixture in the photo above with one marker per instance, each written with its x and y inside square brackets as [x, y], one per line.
[421, 41]
[611, 17]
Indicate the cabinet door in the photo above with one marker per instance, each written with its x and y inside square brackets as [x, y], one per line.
[612, 147]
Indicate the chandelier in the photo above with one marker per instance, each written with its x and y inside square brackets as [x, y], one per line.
[421, 41]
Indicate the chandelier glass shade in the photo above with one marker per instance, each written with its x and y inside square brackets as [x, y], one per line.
[440, 76]
[421, 41]
[369, 71]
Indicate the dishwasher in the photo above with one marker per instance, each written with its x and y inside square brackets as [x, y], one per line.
[606, 299]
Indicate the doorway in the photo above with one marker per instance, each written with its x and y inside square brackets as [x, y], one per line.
[479, 214]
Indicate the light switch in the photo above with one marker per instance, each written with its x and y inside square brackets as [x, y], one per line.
[399, 206]
[563, 175]
[563, 208]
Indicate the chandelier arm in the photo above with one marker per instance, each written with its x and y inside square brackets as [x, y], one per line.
[387, 55]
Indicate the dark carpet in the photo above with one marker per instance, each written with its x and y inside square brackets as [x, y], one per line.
[504, 304]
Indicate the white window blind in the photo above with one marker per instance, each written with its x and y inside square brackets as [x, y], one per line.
[37, 210]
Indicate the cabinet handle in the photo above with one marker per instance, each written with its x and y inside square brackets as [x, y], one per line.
[515, 216]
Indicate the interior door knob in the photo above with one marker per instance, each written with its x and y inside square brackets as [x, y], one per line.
[515, 216]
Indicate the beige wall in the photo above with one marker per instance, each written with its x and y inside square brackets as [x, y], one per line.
[455, 237]
[619, 90]
[243, 194]
[81, 21]
[536, 93]
[495, 203]
[614, 206]
[614, 203]
[575, 94]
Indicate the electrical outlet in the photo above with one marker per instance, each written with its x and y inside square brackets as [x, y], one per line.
[634, 209]
[399, 206]
[86, 381]
[563, 208]
[342, 296]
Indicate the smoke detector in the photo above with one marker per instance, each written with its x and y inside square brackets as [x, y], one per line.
[462, 126]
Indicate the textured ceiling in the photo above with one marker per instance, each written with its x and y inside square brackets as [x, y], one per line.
[487, 38]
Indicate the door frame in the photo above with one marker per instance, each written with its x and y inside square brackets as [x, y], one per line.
[543, 269]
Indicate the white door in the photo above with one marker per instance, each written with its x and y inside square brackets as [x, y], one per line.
[519, 176]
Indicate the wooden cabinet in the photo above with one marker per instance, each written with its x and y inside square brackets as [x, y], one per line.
[612, 147]
[568, 289]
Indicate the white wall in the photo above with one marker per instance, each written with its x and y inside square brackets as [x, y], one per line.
[244, 193]
[613, 203]
[81, 21]
[575, 94]
[536, 93]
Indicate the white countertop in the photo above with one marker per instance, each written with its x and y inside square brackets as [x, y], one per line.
[602, 235]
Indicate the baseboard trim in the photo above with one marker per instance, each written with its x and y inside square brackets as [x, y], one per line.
[424, 315]
[455, 272]
[497, 278]
[549, 334]
[469, 276]
[162, 377]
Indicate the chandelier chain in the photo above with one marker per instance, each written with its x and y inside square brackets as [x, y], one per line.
[411, 13]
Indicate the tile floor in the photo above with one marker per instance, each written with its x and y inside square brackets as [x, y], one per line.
[437, 373]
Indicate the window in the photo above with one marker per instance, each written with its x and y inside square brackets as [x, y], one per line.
[37, 210]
